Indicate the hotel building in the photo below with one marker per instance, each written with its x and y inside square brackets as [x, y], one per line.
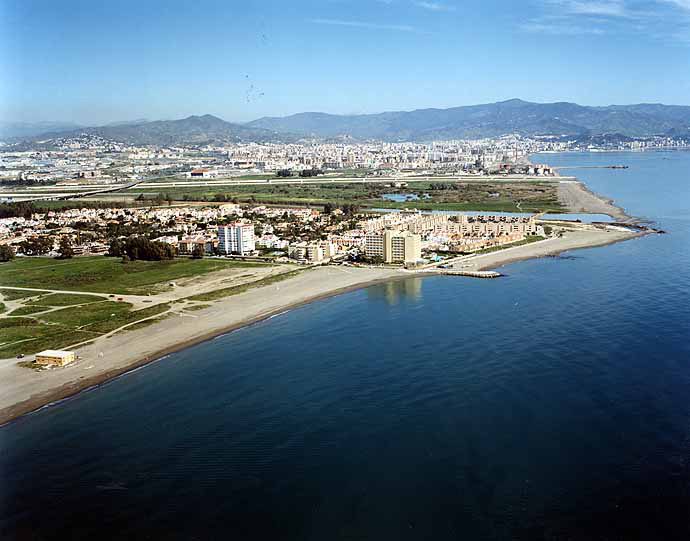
[394, 246]
[236, 238]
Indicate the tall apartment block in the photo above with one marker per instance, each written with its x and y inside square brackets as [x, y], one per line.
[394, 246]
[236, 238]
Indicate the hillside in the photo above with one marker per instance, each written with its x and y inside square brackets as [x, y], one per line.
[469, 122]
[490, 120]
[190, 130]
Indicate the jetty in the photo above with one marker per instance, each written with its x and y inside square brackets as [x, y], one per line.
[472, 274]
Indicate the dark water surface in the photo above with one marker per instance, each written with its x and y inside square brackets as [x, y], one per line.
[553, 403]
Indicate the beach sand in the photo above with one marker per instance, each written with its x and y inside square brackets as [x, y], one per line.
[577, 198]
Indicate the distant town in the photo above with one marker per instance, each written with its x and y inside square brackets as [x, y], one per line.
[94, 160]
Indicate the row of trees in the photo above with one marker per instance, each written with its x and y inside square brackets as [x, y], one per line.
[157, 199]
[20, 209]
[445, 186]
[305, 173]
[24, 209]
[38, 246]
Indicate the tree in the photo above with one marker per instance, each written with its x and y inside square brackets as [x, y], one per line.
[115, 249]
[141, 197]
[65, 250]
[36, 245]
[6, 253]
[198, 252]
[328, 208]
[143, 249]
[350, 209]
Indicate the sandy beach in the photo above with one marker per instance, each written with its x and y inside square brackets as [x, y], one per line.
[572, 240]
[577, 198]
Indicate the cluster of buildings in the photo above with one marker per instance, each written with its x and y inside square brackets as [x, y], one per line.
[303, 234]
[401, 237]
[90, 159]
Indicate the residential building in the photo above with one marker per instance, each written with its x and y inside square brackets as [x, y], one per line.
[237, 238]
[313, 252]
[394, 246]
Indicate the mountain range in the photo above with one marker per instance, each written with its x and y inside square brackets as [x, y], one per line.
[30, 129]
[191, 130]
[491, 120]
[514, 116]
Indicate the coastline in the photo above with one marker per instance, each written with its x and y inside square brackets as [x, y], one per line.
[134, 357]
[25, 391]
[578, 198]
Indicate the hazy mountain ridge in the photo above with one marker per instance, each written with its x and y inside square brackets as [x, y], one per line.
[467, 122]
[30, 129]
[490, 120]
[191, 130]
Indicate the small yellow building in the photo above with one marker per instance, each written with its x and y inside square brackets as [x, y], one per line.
[54, 357]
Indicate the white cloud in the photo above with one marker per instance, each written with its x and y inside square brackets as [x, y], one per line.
[659, 20]
[435, 6]
[560, 30]
[606, 8]
[683, 4]
[362, 24]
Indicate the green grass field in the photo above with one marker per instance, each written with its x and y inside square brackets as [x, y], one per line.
[68, 326]
[105, 274]
[64, 299]
[101, 317]
[14, 294]
[28, 310]
[533, 196]
[28, 335]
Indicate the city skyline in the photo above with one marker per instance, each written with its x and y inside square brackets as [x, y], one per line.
[94, 64]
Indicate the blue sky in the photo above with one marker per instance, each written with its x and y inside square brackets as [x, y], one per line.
[96, 62]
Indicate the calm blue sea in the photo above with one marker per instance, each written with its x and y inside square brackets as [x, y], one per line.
[553, 403]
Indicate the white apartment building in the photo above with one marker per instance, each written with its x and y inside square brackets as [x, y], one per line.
[314, 252]
[394, 246]
[237, 238]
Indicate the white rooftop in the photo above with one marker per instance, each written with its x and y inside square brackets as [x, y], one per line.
[54, 353]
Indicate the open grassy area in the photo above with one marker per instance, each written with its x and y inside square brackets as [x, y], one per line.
[68, 326]
[28, 335]
[488, 195]
[101, 317]
[28, 310]
[234, 290]
[15, 294]
[106, 274]
[64, 299]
